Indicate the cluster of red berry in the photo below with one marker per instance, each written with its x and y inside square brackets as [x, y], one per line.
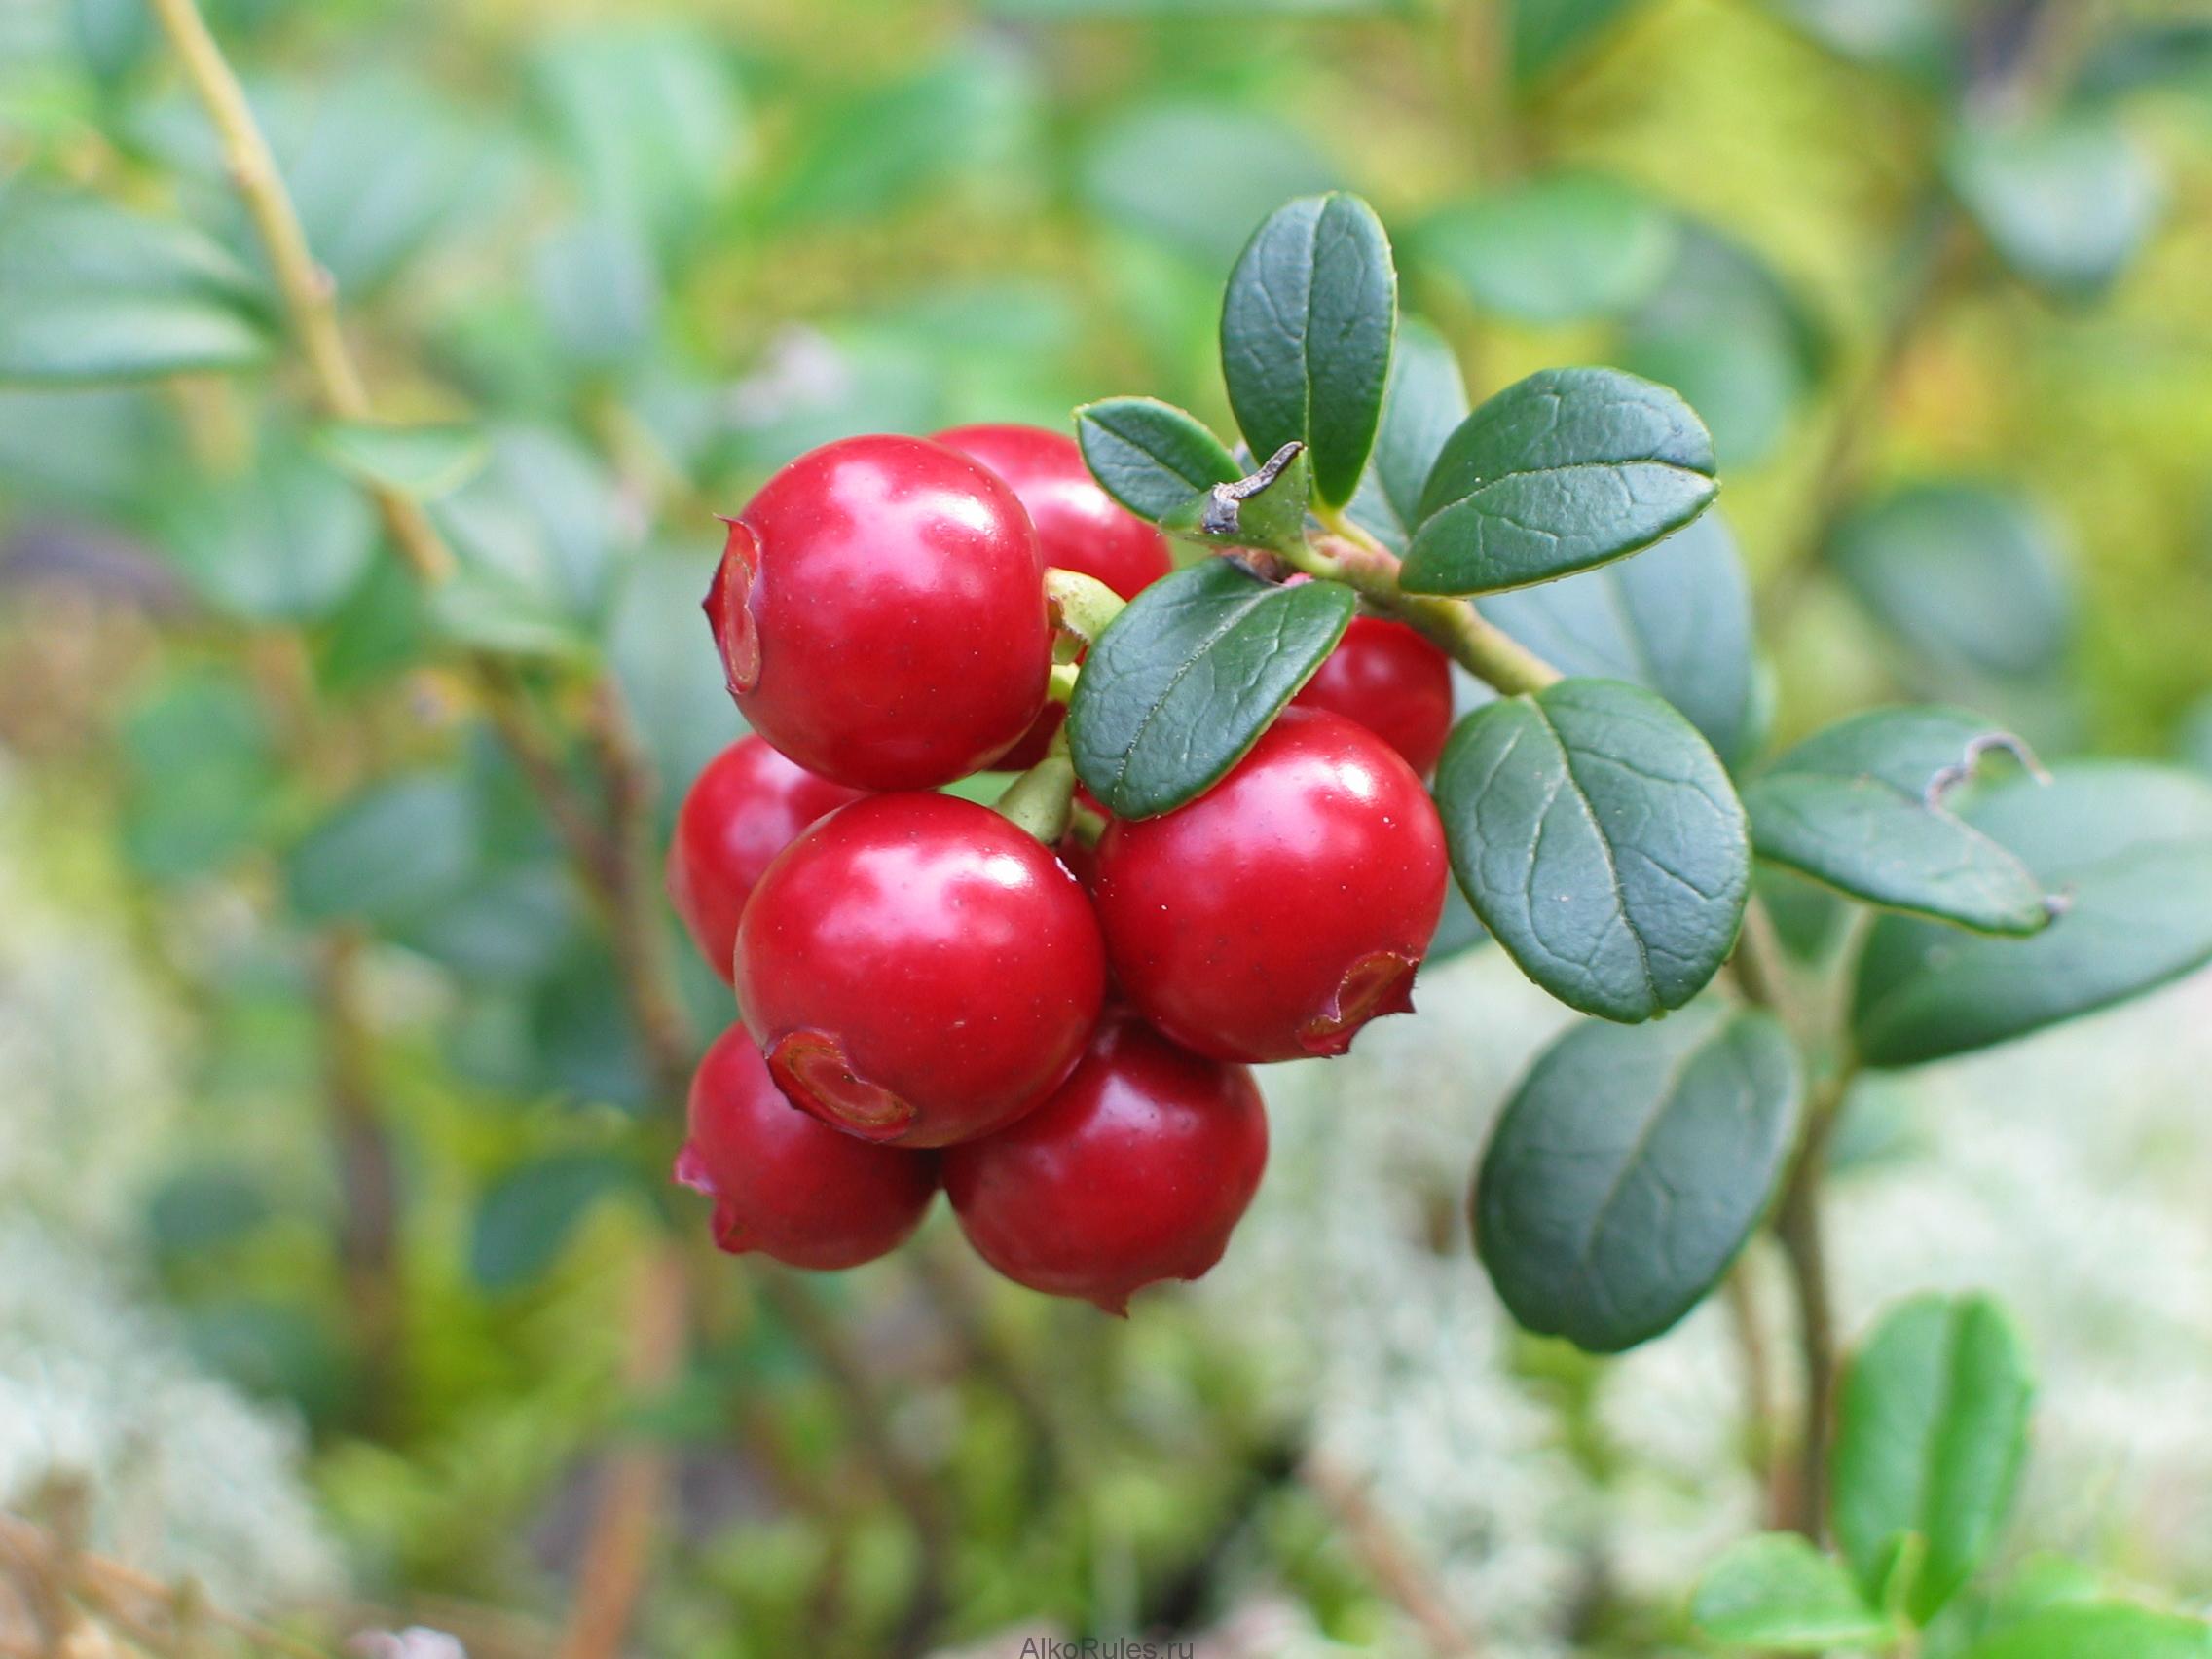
[1060, 1036]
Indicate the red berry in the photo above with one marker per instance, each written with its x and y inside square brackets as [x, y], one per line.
[1393, 682]
[1080, 526]
[1277, 914]
[918, 970]
[1135, 1171]
[742, 810]
[880, 613]
[786, 1185]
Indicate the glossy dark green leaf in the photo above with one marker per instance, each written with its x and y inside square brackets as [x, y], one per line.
[1561, 471]
[1630, 1167]
[1779, 1592]
[2128, 847]
[94, 292]
[1931, 1423]
[1149, 456]
[1546, 34]
[388, 852]
[1866, 807]
[526, 1216]
[420, 463]
[1305, 330]
[1674, 619]
[286, 543]
[1188, 676]
[1557, 248]
[2105, 1629]
[2066, 201]
[1596, 836]
[1197, 177]
[1422, 405]
[1970, 578]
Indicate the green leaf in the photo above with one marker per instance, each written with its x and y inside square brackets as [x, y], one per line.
[1596, 838]
[504, 927]
[420, 463]
[2139, 57]
[286, 543]
[1970, 576]
[1547, 33]
[1305, 330]
[1558, 248]
[1188, 678]
[526, 1216]
[1864, 806]
[1931, 1423]
[1777, 1592]
[599, 290]
[1193, 176]
[1908, 36]
[1561, 471]
[2066, 201]
[111, 35]
[1674, 619]
[2130, 848]
[1629, 1168]
[1425, 401]
[201, 776]
[1149, 456]
[2109, 1629]
[92, 292]
[389, 851]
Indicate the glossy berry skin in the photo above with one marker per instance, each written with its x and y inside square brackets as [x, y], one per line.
[919, 970]
[1273, 916]
[785, 1184]
[1134, 1171]
[743, 809]
[880, 613]
[1079, 525]
[1393, 682]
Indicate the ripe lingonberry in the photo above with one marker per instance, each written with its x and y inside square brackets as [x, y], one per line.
[1393, 682]
[1079, 525]
[880, 613]
[1279, 912]
[1134, 1171]
[740, 812]
[918, 970]
[785, 1184]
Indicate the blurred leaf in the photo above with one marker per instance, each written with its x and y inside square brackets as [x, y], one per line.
[201, 778]
[2129, 847]
[1931, 1423]
[536, 532]
[580, 1042]
[974, 107]
[1777, 1592]
[1596, 836]
[596, 283]
[650, 117]
[204, 1209]
[2066, 201]
[420, 463]
[1545, 34]
[1049, 10]
[92, 292]
[377, 633]
[526, 1216]
[1866, 807]
[1556, 248]
[1808, 918]
[1149, 456]
[2111, 1630]
[1188, 676]
[2144, 55]
[670, 673]
[1674, 619]
[506, 927]
[1458, 929]
[286, 543]
[1557, 473]
[387, 852]
[1422, 405]
[1199, 176]
[86, 445]
[1630, 1167]
[111, 35]
[1918, 37]
[1970, 576]
[274, 1352]
[1726, 333]
[1307, 326]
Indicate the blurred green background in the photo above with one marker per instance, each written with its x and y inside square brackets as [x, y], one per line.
[333, 1212]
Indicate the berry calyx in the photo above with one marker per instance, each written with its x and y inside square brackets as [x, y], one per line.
[1273, 916]
[880, 613]
[1135, 1170]
[918, 970]
[785, 1184]
[1392, 682]
[743, 808]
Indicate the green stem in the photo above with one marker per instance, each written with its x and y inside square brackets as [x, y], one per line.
[1043, 797]
[1080, 605]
